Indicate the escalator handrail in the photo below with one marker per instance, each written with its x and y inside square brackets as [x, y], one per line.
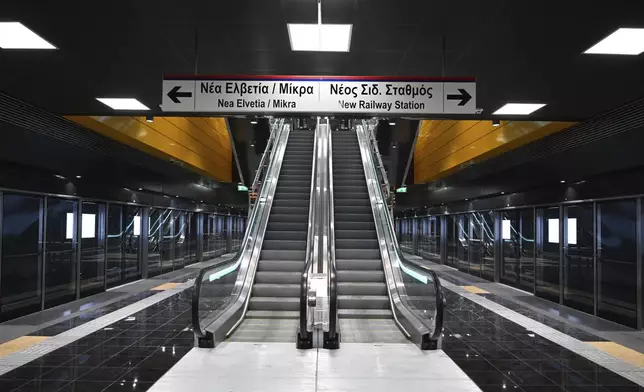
[262, 166]
[440, 299]
[304, 289]
[390, 228]
[200, 332]
[333, 280]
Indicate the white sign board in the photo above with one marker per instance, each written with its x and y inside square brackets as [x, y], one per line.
[330, 95]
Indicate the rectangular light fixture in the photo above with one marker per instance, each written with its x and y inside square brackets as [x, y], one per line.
[15, 35]
[621, 41]
[520, 109]
[320, 37]
[123, 103]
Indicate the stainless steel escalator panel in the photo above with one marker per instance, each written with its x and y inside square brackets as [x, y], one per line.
[415, 294]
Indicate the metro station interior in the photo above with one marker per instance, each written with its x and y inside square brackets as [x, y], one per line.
[322, 195]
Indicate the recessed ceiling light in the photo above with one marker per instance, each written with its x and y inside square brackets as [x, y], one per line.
[496, 123]
[562, 181]
[79, 177]
[149, 118]
[140, 189]
[123, 103]
[59, 176]
[15, 35]
[392, 123]
[520, 109]
[621, 41]
[313, 37]
[253, 122]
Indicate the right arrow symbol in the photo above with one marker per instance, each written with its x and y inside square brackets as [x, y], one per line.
[174, 94]
[464, 97]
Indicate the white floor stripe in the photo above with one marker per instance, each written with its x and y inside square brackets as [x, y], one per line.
[617, 365]
[20, 358]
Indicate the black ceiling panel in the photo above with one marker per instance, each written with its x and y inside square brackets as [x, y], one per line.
[518, 51]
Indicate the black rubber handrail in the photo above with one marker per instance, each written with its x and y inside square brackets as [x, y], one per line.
[440, 299]
[303, 334]
[196, 297]
[196, 324]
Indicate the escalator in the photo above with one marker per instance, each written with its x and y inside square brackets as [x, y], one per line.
[273, 308]
[380, 294]
[364, 309]
[254, 296]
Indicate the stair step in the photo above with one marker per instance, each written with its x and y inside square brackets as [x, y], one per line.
[284, 245]
[287, 226]
[352, 253]
[288, 218]
[355, 234]
[274, 303]
[283, 254]
[276, 290]
[365, 313]
[355, 243]
[281, 265]
[340, 225]
[288, 235]
[278, 277]
[265, 314]
[293, 203]
[359, 265]
[363, 301]
[345, 217]
[350, 202]
[283, 194]
[360, 276]
[361, 288]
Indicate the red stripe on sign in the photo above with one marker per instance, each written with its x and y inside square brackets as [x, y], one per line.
[319, 78]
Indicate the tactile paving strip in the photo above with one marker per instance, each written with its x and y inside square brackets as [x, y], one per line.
[617, 365]
[22, 357]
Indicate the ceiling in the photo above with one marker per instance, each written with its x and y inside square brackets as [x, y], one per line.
[518, 51]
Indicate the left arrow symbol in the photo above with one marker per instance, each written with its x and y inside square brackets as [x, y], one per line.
[464, 97]
[175, 94]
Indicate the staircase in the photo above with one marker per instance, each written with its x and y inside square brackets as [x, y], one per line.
[273, 311]
[362, 292]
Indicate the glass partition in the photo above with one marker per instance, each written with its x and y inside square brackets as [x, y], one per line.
[579, 268]
[452, 241]
[92, 263]
[180, 239]
[477, 246]
[167, 241]
[60, 251]
[548, 256]
[617, 261]
[488, 240]
[21, 258]
[192, 238]
[123, 244]
[154, 242]
[462, 243]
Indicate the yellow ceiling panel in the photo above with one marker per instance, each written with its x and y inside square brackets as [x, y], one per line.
[470, 140]
[201, 143]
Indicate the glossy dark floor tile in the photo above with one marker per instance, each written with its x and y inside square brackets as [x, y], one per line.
[129, 355]
[500, 355]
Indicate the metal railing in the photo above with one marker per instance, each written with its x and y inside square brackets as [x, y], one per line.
[260, 173]
[414, 290]
[304, 338]
[221, 292]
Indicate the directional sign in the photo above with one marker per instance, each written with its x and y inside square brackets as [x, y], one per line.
[178, 95]
[318, 95]
[459, 98]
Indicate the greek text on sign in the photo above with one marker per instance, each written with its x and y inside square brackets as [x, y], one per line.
[314, 94]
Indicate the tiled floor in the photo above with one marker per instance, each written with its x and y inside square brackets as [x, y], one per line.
[281, 367]
[129, 355]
